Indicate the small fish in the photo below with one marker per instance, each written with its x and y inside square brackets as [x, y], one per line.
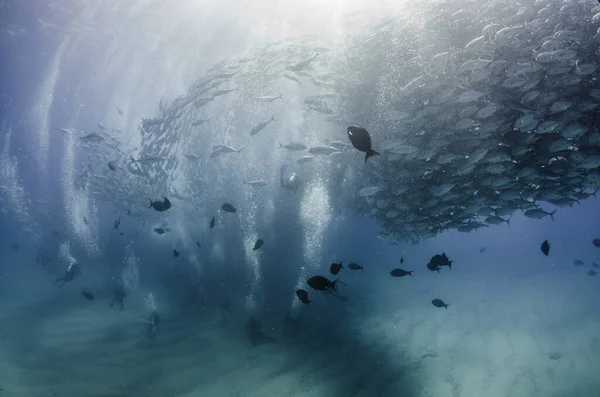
[85, 220]
[596, 242]
[146, 160]
[482, 250]
[198, 244]
[545, 247]
[592, 273]
[354, 266]
[258, 244]
[578, 262]
[439, 303]
[320, 283]
[305, 159]
[268, 98]
[159, 230]
[257, 183]
[261, 126]
[88, 295]
[117, 223]
[175, 253]
[101, 126]
[401, 260]
[119, 111]
[401, 273]
[212, 222]
[335, 268]
[303, 296]
[112, 165]
[228, 208]
[293, 146]
[361, 140]
[160, 205]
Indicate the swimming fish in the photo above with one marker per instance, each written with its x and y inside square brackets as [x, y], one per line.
[401, 273]
[335, 268]
[361, 140]
[596, 242]
[354, 266]
[578, 262]
[228, 208]
[159, 230]
[212, 222]
[437, 261]
[160, 205]
[258, 244]
[303, 296]
[198, 244]
[320, 283]
[545, 247]
[117, 223]
[293, 146]
[401, 260]
[88, 295]
[175, 253]
[261, 126]
[439, 303]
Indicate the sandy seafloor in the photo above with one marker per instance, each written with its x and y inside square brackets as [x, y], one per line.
[495, 340]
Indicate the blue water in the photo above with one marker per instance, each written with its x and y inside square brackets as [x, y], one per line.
[519, 323]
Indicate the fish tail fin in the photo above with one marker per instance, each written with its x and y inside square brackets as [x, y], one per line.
[362, 268]
[242, 148]
[280, 145]
[552, 215]
[446, 306]
[333, 285]
[280, 96]
[410, 273]
[150, 204]
[508, 220]
[273, 118]
[371, 153]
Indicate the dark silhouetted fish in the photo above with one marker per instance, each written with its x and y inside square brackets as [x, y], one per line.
[401, 273]
[578, 262]
[437, 261]
[401, 260]
[303, 296]
[112, 166]
[159, 230]
[439, 303]
[361, 140]
[160, 205]
[482, 250]
[117, 223]
[88, 295]
[545, 247]
[258, 244]
[592, 273]
[212, 222]
[320, 283]
[228, 207]
[198, 244]
[335, 268]
[596, 242]
[175, 253]
[85, 220]
[354, 266]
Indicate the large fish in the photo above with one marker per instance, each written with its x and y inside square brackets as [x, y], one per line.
[361, 140]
